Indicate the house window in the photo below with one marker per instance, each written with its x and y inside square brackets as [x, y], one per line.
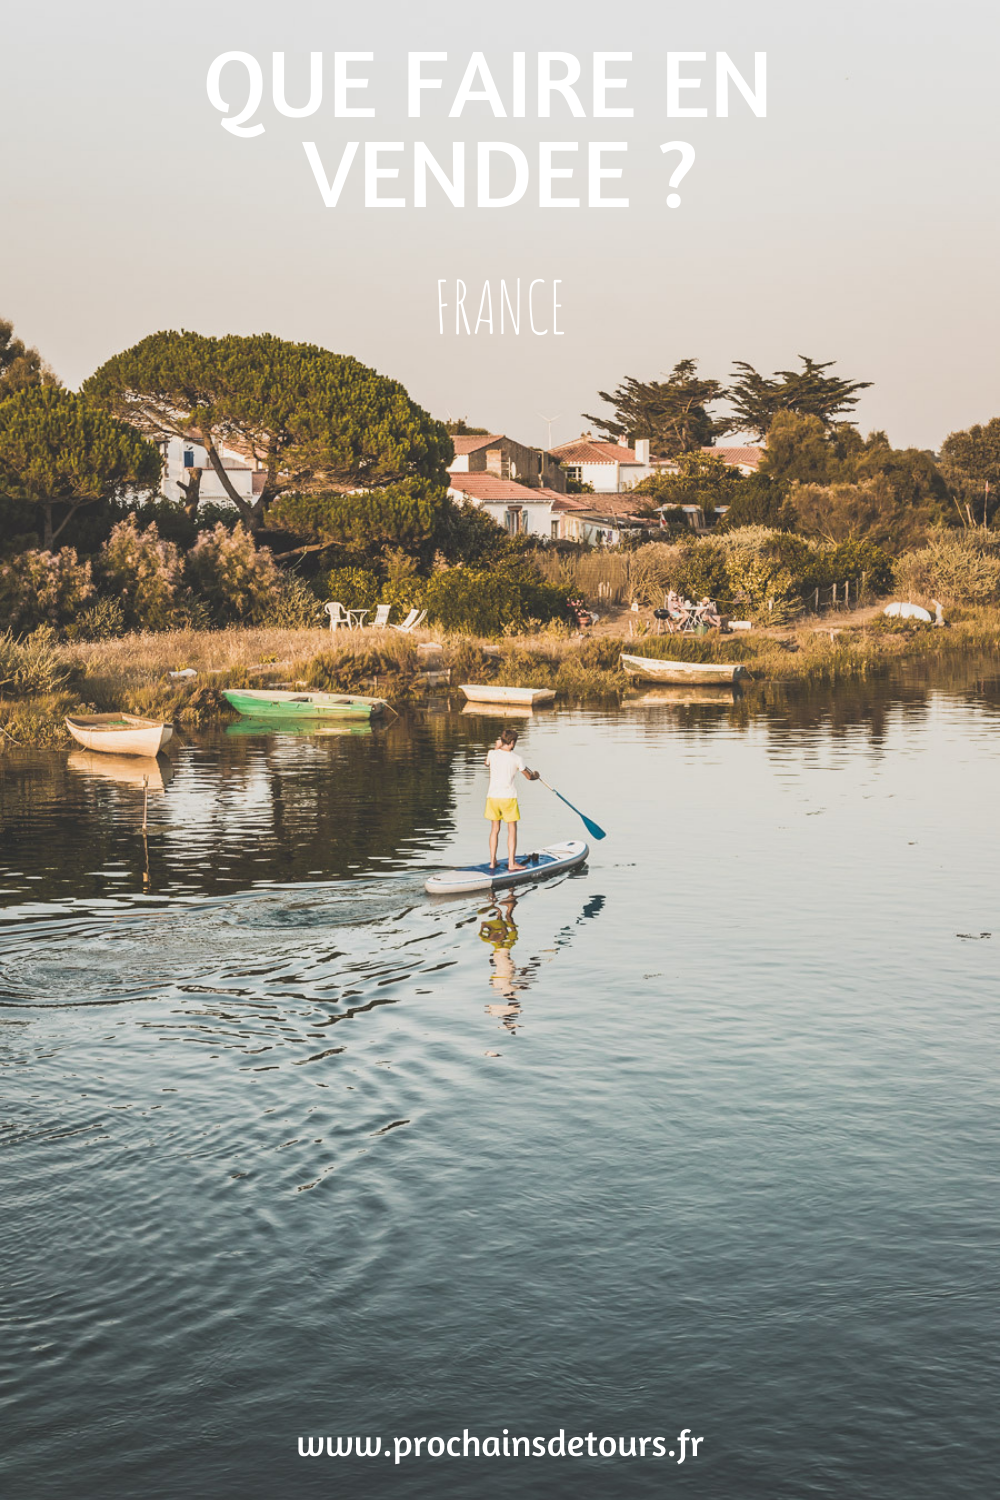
[575, 472]
[514, 521]
[555, 531]
[189, 458]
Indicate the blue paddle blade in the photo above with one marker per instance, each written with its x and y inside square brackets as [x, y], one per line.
[594, 829]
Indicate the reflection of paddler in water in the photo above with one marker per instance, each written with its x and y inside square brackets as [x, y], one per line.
[499, 929]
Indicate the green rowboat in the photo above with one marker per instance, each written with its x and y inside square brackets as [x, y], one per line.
[275, 703]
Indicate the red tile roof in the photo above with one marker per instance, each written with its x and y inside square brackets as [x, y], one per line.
[466, 443]
[750, 457]
[592, 451]
[489, 487]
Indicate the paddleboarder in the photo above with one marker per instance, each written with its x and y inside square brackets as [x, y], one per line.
[501, 799]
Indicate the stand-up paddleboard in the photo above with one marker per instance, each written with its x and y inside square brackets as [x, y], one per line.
[552, 860]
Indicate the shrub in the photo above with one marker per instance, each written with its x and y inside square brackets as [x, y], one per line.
[354, 588]
[957, 568]
[488, 603]
[104, 620]
[33, 665]
[44, 588]
[294, 606]
[237, 580]
[145, 572]
[403, 587]
[854, 558]
[764, 569]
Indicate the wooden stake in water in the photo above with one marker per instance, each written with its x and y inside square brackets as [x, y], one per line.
[145, 801]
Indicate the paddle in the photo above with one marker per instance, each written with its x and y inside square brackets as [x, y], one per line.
[594, 829]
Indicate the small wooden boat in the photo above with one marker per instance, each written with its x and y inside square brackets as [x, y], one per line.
[682, 673]
[279, 703]
[119, 734]
[488, 692]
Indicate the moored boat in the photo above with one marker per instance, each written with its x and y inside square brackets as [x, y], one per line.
[488, 692]
[281, 703]
[119, 734]
[683, 673]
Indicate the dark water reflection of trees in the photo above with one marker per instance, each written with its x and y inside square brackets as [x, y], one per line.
[234, 809]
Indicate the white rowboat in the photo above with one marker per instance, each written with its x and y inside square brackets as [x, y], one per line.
[487, 692]
[682, 673]
[119, 734]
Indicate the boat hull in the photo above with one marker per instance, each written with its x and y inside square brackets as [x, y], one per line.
[520, 697]
[555, 859]
[120, 734]
[683, 673]
[281, 704]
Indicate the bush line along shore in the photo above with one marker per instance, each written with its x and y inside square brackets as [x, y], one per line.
[43, 679]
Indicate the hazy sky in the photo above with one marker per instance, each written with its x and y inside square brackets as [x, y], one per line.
[857, 222]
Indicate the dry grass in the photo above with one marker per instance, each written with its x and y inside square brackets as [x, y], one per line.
[132, 673]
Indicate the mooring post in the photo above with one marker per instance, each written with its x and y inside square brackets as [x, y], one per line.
[145, 800]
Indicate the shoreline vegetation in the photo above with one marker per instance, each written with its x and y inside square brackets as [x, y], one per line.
[197, 503]
[132, 672]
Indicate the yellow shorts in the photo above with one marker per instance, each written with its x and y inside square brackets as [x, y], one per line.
[502, 810]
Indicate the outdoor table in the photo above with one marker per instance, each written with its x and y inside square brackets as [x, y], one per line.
[356, 618]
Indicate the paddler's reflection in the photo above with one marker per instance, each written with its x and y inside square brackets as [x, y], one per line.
[499, 929]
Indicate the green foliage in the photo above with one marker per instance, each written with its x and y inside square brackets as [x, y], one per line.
[872, 509]
[56, 449]
[32, 665]
[961, 567]
[236, 580]
[411, 515]
[354, 588]
[316, 421]
[673, 413]
[759, 500]
[974, 454]
[145, 573]
[857, 558]
[403, 588]
[44, 588]
[489, 602]
[757, 399]
[701, 569]
[21, 368]
[294, 606]
[104, 620]
[798, 449]
[766, 571]
[701, 479]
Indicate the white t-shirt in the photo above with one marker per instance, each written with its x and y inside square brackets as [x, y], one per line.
[505, 767]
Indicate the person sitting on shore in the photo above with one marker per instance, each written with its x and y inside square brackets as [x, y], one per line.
[706, 613]
[501, 799]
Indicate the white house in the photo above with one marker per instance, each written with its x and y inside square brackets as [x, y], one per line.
[519, 510]
[181, 458]
[608, 467]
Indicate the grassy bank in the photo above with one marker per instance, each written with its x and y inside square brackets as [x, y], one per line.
[133, 673]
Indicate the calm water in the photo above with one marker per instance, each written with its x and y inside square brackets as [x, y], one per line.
[703, 1136]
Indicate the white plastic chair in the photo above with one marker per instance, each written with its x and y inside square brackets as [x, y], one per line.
[338, 615]
[381, 619]
[415, 618]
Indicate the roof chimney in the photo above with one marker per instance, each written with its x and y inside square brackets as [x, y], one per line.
[642, 450]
